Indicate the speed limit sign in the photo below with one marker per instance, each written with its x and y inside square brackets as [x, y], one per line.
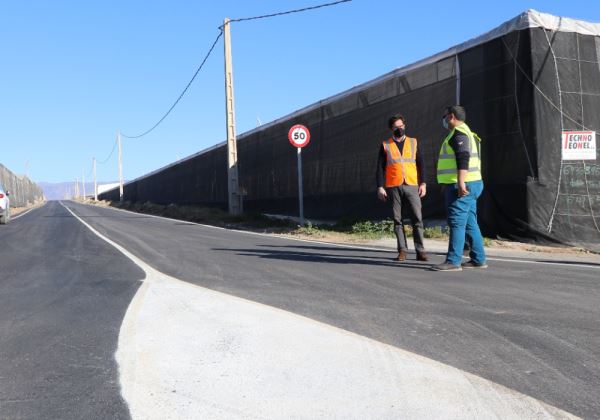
[299, 136]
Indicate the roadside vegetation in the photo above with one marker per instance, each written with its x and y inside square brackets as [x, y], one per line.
[346, 230]
[14, 211]
[352, 229]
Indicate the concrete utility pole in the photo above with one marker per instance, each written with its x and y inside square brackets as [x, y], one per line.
[120, 167]
[76, 188]
[235, 199]
[95, 180]
[83, 182]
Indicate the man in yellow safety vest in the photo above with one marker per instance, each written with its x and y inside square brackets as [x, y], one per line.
[459, 171]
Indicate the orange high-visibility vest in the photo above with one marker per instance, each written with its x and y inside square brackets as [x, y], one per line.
[401, 168]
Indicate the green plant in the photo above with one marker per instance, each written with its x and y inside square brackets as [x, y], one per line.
[436, 232]
[309, 229]
[370, 229]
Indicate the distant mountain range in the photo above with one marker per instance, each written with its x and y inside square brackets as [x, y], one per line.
[66, 190]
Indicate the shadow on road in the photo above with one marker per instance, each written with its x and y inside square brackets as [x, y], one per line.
[326, 258]
[328, 248]
[344, 247]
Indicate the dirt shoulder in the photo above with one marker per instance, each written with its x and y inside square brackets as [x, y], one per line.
[352, 234]
[14, 211]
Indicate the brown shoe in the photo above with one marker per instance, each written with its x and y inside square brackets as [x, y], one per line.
[401, 256]
[422, 256]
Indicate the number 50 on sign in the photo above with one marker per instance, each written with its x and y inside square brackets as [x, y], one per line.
[299, 136]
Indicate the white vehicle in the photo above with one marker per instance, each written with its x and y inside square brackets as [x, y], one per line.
[4, 206]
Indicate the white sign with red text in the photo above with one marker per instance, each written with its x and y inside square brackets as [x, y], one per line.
[578, 145]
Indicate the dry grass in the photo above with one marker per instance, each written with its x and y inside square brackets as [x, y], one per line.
[14, 211]
[346, 232]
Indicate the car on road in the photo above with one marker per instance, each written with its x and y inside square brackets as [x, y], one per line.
[4, 206]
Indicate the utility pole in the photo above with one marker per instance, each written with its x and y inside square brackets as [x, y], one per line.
[83, 183]
[233, 187]
[95, 180]
[120, 167]
[76, 188]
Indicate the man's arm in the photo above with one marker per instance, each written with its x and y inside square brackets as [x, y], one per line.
[381, 163]
[421, 173]
[461, 146]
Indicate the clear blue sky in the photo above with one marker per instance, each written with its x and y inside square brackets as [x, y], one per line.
[72, 73]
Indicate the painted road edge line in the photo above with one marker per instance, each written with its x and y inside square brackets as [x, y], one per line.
[161, 376]
[580, 264]
[28, 211]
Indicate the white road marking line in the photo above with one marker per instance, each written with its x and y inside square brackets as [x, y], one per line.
[359, 247]
[25, 212]
[190, 352]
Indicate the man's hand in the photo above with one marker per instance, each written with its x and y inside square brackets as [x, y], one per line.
[381, 194]
[461, 186]
[462, 189]
[422, 190]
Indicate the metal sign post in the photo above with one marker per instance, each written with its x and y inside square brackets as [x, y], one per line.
[299, 136]
[300, 188]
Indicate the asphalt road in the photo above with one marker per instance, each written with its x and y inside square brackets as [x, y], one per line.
[63, 294]
[530, 327]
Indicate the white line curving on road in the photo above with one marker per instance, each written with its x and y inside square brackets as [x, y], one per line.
[189, 352]
[361, 247]
[25, 212]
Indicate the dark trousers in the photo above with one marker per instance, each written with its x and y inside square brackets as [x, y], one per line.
[407, 196]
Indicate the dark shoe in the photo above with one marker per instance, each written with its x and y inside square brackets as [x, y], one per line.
[422, 256]
[471, 264]
[446, 267]
[401, 256]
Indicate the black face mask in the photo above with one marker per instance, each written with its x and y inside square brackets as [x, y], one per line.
[398, 132]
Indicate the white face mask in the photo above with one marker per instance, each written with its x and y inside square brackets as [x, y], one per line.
[444, 123]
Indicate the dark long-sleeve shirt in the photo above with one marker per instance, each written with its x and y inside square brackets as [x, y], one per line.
[382, 162]
[460, 144]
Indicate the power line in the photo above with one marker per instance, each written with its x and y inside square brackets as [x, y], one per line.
[109, 156]
[182, 93]
[212, 48]
[288, 12]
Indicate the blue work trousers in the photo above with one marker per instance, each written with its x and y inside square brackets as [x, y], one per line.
[462, 219]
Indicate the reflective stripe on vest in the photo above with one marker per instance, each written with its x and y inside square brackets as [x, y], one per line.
[401, 168]
[446, 165]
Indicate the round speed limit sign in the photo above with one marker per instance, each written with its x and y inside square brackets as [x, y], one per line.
[299, 136]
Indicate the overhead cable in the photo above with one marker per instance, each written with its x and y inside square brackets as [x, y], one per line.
[109, 156]
[289, 11]
[182, 93]
[212, 48]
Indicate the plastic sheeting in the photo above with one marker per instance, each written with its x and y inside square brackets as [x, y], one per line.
[564, 202]
[338, 164]
[521, 84]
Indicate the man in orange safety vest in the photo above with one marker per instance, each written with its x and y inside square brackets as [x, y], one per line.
[401, 173]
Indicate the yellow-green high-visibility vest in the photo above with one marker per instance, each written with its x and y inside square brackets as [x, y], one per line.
[446, 165]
